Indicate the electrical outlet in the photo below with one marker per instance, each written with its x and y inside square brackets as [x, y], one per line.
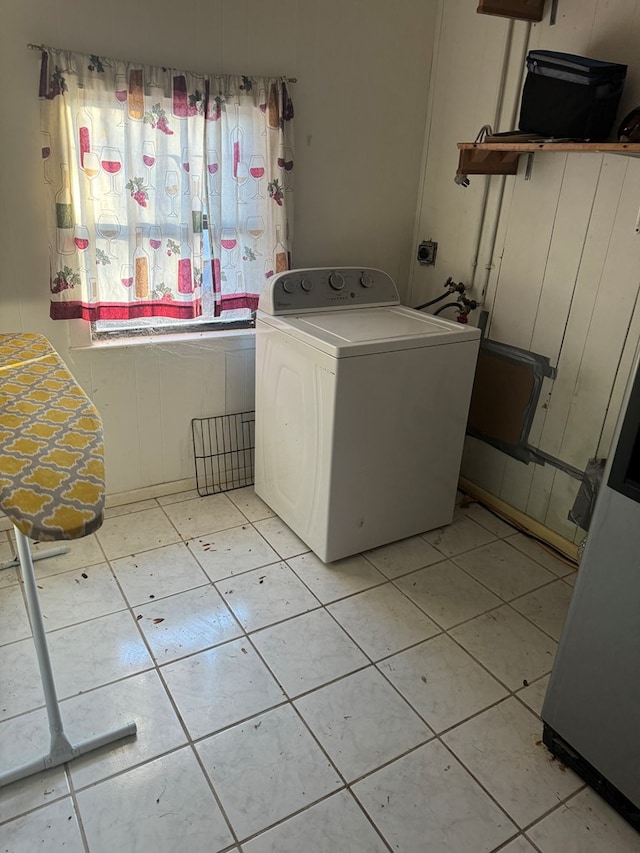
[427, 251]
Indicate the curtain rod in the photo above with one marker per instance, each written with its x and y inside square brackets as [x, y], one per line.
[41, 47]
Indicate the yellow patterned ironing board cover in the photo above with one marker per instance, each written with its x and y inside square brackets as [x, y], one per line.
[51, 446]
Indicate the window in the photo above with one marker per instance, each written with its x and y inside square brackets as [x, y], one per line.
[168, 193]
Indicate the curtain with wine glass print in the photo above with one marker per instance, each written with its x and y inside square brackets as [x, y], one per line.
[168, 192]
[249, 155]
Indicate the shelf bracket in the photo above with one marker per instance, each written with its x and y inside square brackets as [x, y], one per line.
[473, 161]
[529, 167]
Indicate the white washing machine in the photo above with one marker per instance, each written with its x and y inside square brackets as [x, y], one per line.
[361, 409]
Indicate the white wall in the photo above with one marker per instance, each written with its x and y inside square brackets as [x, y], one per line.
[363, 77]
[564, 279]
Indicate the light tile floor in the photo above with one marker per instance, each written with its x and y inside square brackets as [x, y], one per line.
[387, 702]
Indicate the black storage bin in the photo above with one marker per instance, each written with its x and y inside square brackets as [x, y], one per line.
[570, 97]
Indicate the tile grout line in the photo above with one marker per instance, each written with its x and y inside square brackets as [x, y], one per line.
[520, 829]
[503, 602]
[372, 663]
[189, 742]
[76, 808]
[424, 743]
[376, 661]
[214, 793]
[560, 804]
[511, 692]
[192, 742]
[446, 631]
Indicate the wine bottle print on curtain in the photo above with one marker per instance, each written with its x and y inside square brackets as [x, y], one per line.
[185, 104]
[135, 97]
[84, 128]
[196, 205]
[273, 116]
[262, 106]
[235, 142]
[65, 277]
[185, 277]
[64, 214]
[180, 103]
[216, 275]
[280, 252]
[140, 268]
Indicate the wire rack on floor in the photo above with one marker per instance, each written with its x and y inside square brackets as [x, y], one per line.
[223, 450]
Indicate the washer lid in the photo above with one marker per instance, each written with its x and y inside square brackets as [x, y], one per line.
[370, 330]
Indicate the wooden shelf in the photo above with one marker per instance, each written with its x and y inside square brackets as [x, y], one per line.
[501, 158]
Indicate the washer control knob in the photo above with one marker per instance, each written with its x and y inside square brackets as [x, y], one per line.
[288, 285]
[306, 284]
[336, 281]
[366, 279]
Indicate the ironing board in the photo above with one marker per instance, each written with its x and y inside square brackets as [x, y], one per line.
[51, 488]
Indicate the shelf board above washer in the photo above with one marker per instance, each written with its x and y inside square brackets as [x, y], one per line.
[501, 158]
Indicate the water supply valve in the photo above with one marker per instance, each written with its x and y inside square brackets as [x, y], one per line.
[455, 287]
[451, 287]
[466, 307]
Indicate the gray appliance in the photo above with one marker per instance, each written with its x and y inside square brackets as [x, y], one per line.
[591, 712]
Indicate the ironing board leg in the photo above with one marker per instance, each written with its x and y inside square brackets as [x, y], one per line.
[61, 749]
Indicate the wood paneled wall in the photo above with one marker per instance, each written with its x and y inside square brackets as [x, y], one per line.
[564, 278]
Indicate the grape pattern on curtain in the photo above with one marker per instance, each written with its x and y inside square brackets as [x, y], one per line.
[169, 193]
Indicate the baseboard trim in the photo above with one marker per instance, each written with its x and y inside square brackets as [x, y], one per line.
[159, 490]
[521, 520]
[509, 513]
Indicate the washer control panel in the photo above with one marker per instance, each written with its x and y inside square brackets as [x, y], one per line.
[326, 288]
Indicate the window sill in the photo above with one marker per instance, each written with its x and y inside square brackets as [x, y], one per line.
[223, 339]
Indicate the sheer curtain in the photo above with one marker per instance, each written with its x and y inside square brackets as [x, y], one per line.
[249, 153]
[168, 192]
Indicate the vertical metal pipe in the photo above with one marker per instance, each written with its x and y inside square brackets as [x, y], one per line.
[496, 220]
[496, 118]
